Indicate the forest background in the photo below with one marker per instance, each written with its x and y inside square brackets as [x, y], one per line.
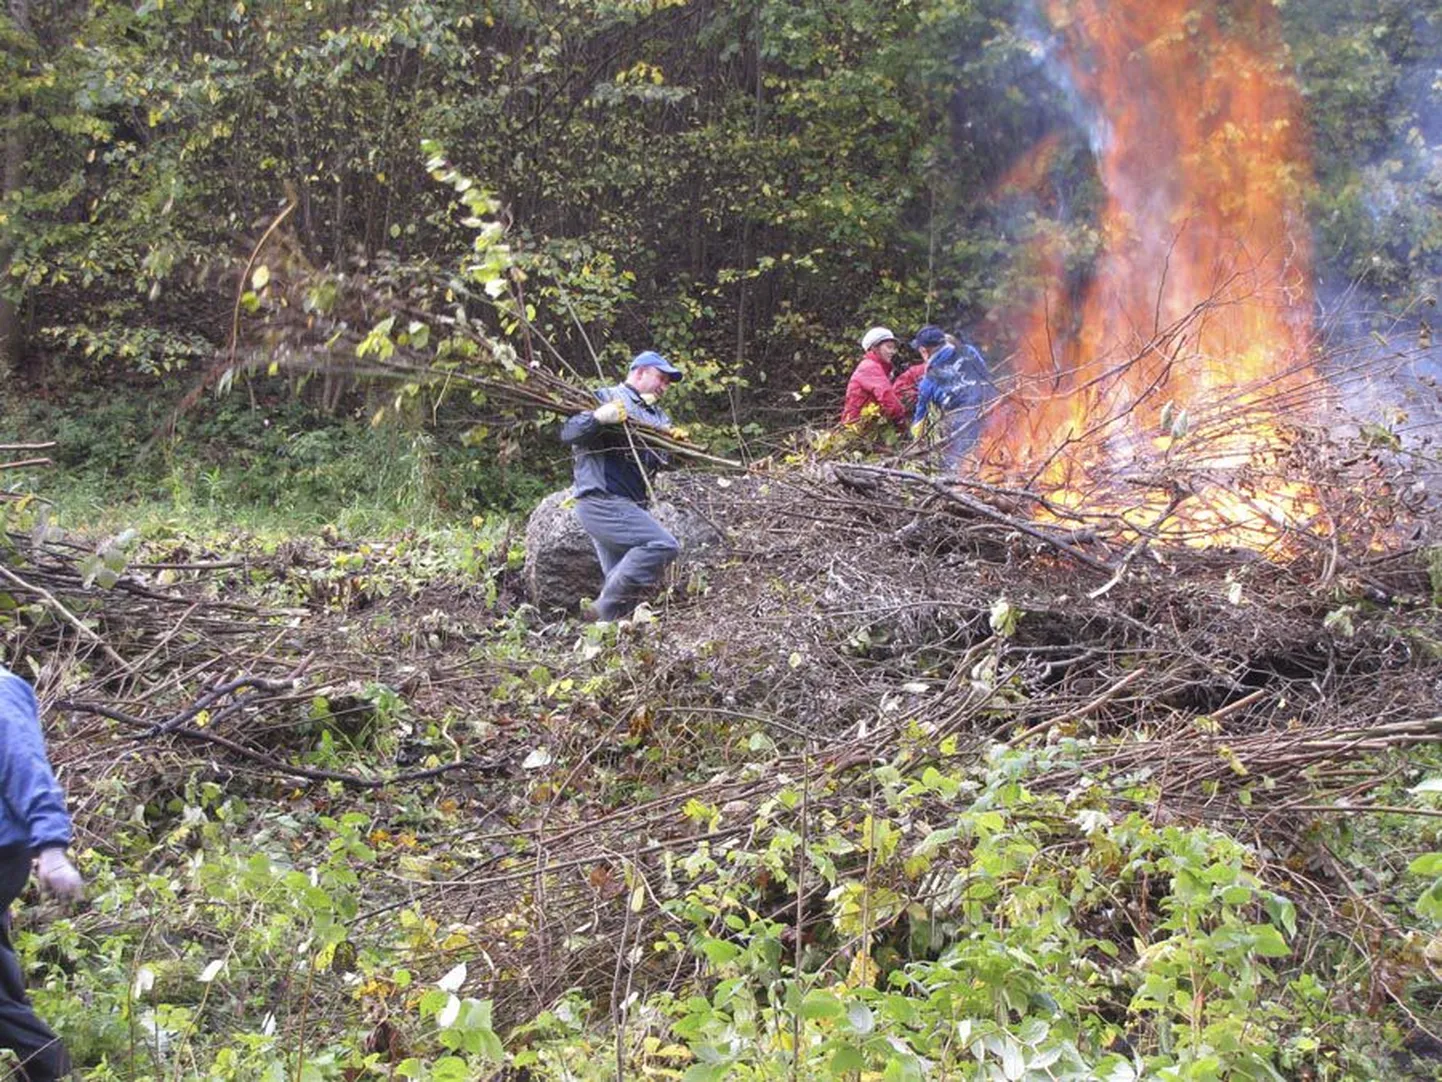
[744, 186]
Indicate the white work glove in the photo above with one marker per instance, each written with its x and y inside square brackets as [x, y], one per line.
[58, 876]
[610, 413]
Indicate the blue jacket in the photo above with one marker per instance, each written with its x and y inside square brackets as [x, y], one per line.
[32, 805]
[602, 458]
[956, 378]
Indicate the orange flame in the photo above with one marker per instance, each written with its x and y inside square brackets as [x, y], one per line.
[1192, 334]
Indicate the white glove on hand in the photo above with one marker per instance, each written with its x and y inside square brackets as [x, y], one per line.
[610, 413]
[58, 876]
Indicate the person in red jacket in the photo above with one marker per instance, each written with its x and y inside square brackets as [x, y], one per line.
[871, 382]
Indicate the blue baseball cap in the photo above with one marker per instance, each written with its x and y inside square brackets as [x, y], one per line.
[652, 359]
[930, 335]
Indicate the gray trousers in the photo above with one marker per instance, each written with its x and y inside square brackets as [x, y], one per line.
[42, 1056]
[634, 550]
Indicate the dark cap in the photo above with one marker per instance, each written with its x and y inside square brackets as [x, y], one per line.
[651, 359]
[929, 336]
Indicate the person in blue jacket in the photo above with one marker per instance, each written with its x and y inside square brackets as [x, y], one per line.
[34, 825]
[613, 489]
[956, 386]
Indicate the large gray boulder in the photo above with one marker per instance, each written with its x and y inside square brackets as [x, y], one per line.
[561, 566]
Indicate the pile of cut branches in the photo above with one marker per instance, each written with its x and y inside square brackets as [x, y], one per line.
[860, 617]
[869, 615]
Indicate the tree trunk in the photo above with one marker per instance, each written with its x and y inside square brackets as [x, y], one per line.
[12, 346]
[745, 264]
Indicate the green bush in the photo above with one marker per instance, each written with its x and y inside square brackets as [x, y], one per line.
[227, 457]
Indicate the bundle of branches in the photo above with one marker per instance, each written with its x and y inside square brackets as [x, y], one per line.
[73, 598]
[409, 329]
[174, 662]
[862, 614]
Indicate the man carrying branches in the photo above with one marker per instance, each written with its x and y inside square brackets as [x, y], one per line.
[613, 484]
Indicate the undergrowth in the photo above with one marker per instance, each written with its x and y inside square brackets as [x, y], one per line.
[938, 907]
[955, 923]
[263, 458]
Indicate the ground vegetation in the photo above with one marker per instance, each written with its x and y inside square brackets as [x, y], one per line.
[901, 781]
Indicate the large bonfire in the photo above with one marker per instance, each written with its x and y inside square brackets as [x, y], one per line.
[1189, 344]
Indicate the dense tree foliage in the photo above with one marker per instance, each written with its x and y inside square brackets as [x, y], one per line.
[1371, 82]
[744, 183]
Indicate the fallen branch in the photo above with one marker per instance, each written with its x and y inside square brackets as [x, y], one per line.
[983, 510]
[65, 614]
[1082, 711]
[353, 781]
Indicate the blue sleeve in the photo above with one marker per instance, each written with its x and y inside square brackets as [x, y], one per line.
[31, 795]
[583, 428]
[580, 428]
[924, 395]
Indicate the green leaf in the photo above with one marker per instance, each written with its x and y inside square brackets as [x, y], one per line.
[260, 278]
[847, 1059]
[450, 1069]
[860, 1019]
[1340, 620]
[1282, 912]
[491, 1047]
[820, 1003]
[1004, 617]
[718, 951]
[1268, 942]
[1430, 904]
[1426, 864]
[1013, 1062]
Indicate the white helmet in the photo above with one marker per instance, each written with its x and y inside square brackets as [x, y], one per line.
[874, 337]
